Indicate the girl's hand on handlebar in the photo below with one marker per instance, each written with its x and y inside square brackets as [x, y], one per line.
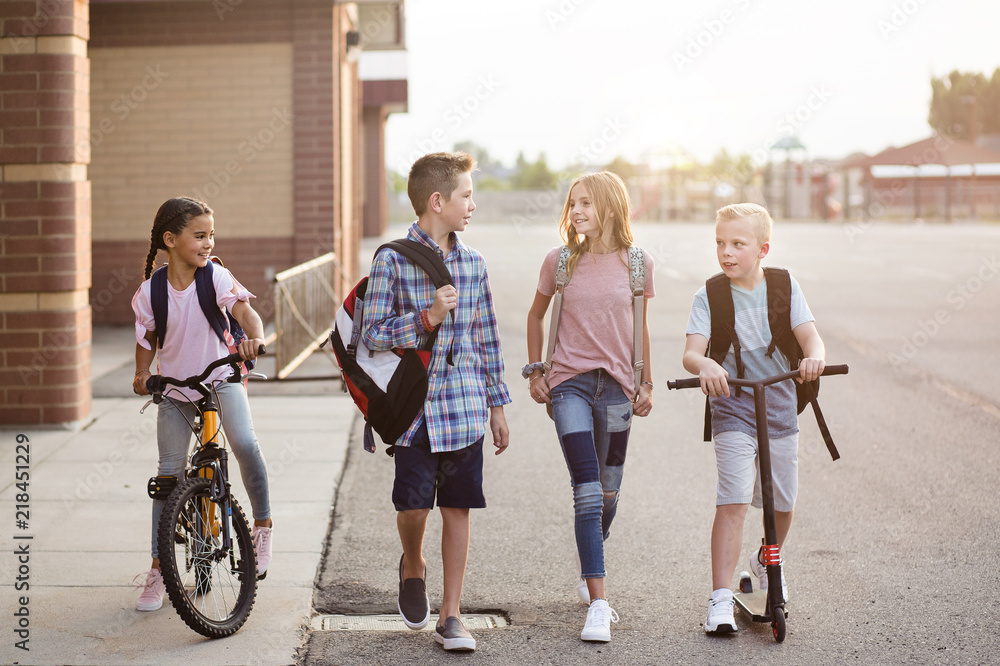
[248, 348]
[139, 382]
[810, 369]
[713, 380]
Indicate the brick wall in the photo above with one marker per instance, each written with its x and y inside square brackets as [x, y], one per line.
[45, 196]
[241, 112]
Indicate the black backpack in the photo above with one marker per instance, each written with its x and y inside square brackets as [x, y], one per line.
[389, 387]
[222, 322]
[779, 320]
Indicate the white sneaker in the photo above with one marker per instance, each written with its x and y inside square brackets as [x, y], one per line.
[720, 612]
[262, 538]
[153, 588]
[582, 590]
[599, 619]
[760, 571]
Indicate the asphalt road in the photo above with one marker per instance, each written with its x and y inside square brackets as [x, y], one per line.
[893, 557]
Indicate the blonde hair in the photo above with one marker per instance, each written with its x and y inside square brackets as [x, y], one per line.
[436, 172]
[757, 216]
[611, 203]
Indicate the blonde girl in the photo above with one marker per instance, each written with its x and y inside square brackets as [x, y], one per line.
[590, 384]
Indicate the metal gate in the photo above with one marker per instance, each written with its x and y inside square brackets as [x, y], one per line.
[305, 304]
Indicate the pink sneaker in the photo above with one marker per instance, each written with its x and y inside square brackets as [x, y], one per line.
[262, 545]
[151, 598]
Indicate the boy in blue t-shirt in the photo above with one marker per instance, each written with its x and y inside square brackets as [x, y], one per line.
[742, 239]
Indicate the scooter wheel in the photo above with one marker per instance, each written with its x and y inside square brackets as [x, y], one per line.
[746, 585]
[778, 626]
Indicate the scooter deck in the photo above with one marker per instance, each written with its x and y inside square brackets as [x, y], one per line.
[753, 604]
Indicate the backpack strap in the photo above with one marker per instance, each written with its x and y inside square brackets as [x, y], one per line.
[637, 276]
[779, 319]
[561, 280]
[205, 286]
[723, 333]
[428, 260]
[158, 299]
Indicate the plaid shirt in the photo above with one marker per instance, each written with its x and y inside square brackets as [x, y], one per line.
[458, 396]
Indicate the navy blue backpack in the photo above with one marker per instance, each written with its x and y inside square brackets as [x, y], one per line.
[224, 324]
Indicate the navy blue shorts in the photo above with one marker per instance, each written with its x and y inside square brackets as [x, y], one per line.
[456, 477]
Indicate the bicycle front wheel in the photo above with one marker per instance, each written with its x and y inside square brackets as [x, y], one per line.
[212, 589]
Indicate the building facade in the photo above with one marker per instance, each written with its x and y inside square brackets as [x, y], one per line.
[111, 107]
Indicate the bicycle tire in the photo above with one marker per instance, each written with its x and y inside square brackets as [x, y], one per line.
[212, 591]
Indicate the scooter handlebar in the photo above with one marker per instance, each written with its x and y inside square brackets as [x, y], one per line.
[695, 382]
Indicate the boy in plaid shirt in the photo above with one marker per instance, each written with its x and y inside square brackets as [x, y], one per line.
[442, 451]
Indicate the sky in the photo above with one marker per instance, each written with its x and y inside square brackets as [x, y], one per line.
[589, 80]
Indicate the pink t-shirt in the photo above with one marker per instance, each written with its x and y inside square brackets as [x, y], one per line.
[595, 325]
[190, 344]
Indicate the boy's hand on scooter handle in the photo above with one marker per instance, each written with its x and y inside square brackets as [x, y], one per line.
[810, 369]
[713, 379]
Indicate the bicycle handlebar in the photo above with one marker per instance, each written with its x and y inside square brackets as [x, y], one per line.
[695, 382]
[156, 384]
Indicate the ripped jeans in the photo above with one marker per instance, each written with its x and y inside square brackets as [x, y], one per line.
[593, 416]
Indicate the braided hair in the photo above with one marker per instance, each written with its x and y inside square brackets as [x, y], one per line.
[173, 216]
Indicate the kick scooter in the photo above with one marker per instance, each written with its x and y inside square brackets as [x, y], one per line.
[761, 606]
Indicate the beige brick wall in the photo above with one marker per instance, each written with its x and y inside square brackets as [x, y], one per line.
[242, 167]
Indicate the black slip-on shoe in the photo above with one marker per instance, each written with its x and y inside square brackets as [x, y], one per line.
[413, 604]
[454, 636]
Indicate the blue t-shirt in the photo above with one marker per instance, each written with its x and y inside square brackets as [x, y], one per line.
[737, 413]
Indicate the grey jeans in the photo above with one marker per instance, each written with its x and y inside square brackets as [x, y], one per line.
[173, 437]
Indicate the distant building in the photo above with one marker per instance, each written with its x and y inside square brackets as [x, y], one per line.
[938, 177]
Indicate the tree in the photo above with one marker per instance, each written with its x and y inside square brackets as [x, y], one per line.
[484, 161]
[533, 176]
[965, 105]
[622, 167]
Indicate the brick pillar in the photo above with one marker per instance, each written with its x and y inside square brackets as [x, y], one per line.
[376, 204]
[45, 327]
[313, 101]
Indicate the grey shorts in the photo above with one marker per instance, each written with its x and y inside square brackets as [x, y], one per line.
[739, 482]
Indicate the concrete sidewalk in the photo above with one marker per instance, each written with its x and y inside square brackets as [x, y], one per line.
[89, 523]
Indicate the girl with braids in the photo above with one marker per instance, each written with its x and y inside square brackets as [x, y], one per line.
[591, 385]
[184, 229]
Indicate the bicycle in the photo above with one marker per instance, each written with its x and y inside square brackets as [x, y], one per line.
[772, 607]
[207, 558]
